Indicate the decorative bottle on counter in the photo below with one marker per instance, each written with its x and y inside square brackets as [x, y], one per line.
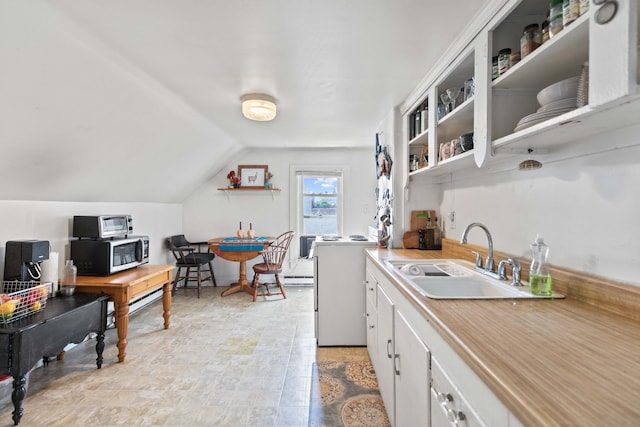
[250, 233]
[240, 233]
[69, 275]
[539, 275]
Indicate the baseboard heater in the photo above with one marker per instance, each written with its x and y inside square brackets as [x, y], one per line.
[305, 245]
[135, 305]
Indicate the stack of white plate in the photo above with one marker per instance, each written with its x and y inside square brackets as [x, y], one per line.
[556, 99]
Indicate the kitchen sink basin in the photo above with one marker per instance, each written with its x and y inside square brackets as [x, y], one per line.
[465, 287]
[456, 279]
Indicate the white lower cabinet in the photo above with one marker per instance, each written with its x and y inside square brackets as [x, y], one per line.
[411, 366]
[448, 407]
[423, 381]
[400, 359]
[385, 352]
[371, 318]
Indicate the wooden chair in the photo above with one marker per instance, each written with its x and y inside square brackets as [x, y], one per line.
[273, 256]
[190, 260]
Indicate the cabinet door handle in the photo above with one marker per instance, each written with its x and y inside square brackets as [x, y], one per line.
[455, 417]
[444, 398]
[395, 363]
[389, 348]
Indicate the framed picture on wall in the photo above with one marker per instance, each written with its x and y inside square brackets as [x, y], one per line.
[252, 176]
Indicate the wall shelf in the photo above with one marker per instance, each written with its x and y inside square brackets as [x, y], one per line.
[227, 191]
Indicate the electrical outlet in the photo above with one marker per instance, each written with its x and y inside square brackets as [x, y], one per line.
[452, 220]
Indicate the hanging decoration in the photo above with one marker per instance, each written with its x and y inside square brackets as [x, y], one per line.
[383, 193]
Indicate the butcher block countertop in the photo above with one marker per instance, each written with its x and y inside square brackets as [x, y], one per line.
[560, 362]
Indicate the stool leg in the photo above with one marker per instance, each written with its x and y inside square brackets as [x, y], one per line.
[213, 276]
[199, 279]
[187, 276]
[175, 281]
[255, 286]
[284, 294]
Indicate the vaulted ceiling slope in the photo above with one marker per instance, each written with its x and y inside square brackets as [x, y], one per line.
[138, 100]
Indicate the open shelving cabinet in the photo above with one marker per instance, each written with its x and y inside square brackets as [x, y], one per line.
[498, 105]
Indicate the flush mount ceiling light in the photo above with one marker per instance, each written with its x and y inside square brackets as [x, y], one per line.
[260, 107]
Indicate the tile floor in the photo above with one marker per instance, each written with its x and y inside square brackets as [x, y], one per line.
[223, 362]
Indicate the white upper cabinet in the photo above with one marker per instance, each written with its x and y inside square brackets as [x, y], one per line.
[504, 113]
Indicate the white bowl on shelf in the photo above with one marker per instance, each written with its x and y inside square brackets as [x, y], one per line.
[563, 89]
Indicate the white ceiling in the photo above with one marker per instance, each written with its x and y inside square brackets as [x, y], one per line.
[95, 94]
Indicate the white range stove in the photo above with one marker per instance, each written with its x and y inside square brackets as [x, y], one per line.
[339, 293]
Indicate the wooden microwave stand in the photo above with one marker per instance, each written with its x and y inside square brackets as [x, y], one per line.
[123, 287]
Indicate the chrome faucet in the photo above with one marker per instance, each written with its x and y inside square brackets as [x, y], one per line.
[488, 265]
[515, 271]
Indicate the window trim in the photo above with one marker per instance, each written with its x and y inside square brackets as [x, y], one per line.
[295, 186]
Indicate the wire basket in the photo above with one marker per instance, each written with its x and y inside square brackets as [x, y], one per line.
[21, 299]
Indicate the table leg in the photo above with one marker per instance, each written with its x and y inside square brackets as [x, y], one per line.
[17, 396]
[122, 325]
[99, 348]
[242, 284]
[166, 303]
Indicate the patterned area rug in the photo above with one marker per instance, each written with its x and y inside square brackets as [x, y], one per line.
[346, 394]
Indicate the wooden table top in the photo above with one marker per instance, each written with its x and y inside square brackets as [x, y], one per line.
[217, 240]
[237, 256]
[127, 277]
[551, 362]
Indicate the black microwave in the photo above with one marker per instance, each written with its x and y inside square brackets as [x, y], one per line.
[105, 257]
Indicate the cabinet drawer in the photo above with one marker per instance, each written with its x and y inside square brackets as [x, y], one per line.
[149, 284]
[448, 403]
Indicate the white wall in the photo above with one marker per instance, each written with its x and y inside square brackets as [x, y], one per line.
[52, 221]
[587, 208]
[211, 213]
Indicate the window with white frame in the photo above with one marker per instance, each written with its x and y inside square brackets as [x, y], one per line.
[319, 202]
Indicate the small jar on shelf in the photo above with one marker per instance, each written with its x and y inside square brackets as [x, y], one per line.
[424, 117]
[544, 30]
[584, 7]
[495, 72]
[503, 60]
[514, 58]
[418, 121]
[570, 11]
[555, 18]
[531, 39]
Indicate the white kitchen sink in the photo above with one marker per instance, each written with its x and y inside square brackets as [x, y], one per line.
[457, 279]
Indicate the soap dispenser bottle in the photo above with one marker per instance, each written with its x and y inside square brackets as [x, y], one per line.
[539, 275]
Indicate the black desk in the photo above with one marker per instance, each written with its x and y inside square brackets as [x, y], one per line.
[64, 320]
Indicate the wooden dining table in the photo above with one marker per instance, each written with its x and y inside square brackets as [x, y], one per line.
[241, 257]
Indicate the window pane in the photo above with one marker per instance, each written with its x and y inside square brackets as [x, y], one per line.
[320, 185]
[319, 203]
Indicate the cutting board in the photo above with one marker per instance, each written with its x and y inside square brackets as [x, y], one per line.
[422, 219]
[411, 240]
